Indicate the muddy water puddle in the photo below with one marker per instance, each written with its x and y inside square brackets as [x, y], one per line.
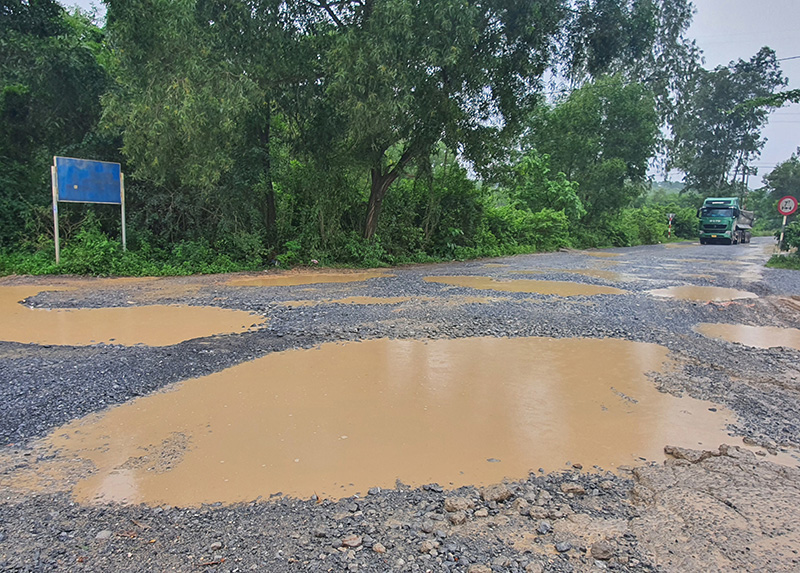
[702, 293]
[755, 336]
[558, 288]
[297, 279]
[341, 418]
[154, 325]
[595, 273]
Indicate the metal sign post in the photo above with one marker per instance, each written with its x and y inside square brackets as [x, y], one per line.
[86, 181]
[669, 229]
[786, 206]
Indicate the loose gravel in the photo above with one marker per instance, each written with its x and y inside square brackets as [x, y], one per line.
[404, 529]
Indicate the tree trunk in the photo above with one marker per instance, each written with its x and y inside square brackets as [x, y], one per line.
[380, 184]
[268, 208]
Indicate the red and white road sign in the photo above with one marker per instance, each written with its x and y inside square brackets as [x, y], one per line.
[787, 205]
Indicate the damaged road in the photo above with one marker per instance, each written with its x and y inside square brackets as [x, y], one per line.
[590, 500]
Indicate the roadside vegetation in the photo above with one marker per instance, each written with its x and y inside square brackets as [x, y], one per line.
[368, 133]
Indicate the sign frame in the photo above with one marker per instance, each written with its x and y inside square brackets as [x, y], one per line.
[785, 211]
[79, 171]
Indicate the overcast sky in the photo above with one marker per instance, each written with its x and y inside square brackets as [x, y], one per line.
[727, 30]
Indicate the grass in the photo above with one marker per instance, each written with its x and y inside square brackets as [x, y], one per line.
[791, 262]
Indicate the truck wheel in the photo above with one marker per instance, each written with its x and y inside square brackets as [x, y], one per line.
[703, 241]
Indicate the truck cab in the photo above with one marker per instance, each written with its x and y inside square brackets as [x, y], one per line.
[722, 220]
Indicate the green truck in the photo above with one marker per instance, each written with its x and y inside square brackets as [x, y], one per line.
[723, 220]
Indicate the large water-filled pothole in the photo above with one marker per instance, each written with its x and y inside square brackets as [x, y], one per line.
[153, 325]
[557, 288]
[702, 293]
[755, 336]
[341, 418]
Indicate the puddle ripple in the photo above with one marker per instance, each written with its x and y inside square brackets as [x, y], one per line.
[558, 288]
[341, 418]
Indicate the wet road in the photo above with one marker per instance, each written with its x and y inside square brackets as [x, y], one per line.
[231, 388]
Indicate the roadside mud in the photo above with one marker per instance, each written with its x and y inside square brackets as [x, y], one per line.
[557, 288]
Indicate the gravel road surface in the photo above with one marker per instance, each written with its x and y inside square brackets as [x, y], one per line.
[732, 508]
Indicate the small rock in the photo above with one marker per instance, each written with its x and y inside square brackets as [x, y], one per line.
[563, 547]
[460, 517]
[606, 485]
[374, 491]
[475, 568]
[537, 512]
[458, 504]
[602, 551]
[427, 546]
[320, 531]
[544, 528]
[501, 562]
[379, 548]
[496, 492]
[105, 534]
[534, 568]
[482, 512]
[573, 488]
[216, 546]
[427, 526]
[577, 466]
[521, 506]
[351, 540]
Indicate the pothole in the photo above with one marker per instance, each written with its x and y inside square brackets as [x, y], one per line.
[341, 418]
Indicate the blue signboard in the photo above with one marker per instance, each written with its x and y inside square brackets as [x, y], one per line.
[87, 181]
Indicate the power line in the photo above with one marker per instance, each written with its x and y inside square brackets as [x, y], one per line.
[789, 58]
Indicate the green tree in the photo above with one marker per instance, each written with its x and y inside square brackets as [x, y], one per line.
[51, 80]
[601, 136]
[403, 76]
[783, 180]
[715, 138]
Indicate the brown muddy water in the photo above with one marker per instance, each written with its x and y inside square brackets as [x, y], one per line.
[596, 273]
[702, 293]
[341, 418]
[306, 278]
[558, 288]
[755, 336]
[153, 325]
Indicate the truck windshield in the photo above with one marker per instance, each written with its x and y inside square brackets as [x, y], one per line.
[711, 212]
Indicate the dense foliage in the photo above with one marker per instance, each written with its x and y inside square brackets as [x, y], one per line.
[361, 132]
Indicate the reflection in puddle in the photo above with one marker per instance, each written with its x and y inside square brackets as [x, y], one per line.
[559, 288]
[596, 273]
[702, 293]
[341, 418]
[756, 336]
[306, 278]
[156, 325]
